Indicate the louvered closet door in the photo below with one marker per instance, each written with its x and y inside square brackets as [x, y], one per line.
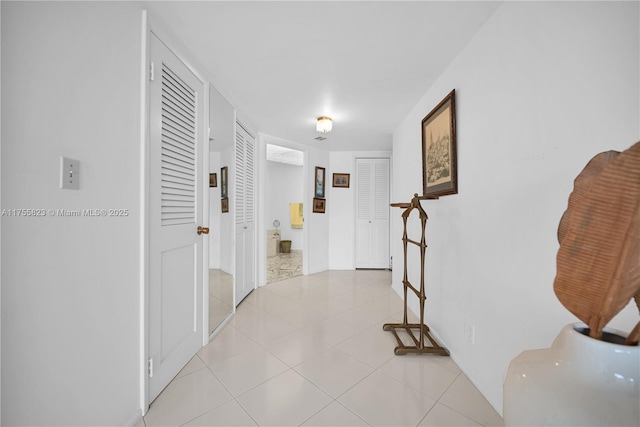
[175, 210]
[244, 213]
[372, 213]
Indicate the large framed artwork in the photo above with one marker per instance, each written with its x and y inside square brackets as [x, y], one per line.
[439, 160]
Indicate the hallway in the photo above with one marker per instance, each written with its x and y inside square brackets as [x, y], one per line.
[311, 351]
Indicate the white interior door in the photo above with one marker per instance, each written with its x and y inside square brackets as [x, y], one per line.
[372, 213]
[176, 100]
[245, 277]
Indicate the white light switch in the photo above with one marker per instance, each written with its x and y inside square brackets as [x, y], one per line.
[69, 173]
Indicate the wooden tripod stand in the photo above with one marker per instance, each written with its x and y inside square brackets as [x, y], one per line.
[423, 329]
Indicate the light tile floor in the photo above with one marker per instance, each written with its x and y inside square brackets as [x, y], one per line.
[310, 351]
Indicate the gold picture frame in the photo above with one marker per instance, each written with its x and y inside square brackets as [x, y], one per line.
[439, 152]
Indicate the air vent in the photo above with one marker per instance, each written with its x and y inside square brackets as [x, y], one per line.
[319, 138]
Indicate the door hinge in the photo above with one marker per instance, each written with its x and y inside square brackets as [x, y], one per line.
[151, 71]
[150, 368]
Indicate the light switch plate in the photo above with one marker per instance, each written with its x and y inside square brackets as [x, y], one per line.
[69, 173]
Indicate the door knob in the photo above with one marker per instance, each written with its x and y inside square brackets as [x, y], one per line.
[203, 230]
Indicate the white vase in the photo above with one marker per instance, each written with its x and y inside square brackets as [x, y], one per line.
[579, 381]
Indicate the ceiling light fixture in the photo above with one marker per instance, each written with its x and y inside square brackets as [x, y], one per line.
[324, 124]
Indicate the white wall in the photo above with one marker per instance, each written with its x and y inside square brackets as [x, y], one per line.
[541, 89]
[318, 223]
[71, 285]
[341, 208]
[285, 185]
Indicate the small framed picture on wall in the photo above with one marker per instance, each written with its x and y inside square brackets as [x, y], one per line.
[341, 180]
[319, 182]
[319, 205]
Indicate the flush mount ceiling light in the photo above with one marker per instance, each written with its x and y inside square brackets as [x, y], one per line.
[324, 124]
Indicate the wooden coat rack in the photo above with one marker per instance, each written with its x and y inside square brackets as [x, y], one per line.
[423, 329]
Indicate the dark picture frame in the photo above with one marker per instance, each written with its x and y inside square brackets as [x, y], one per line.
[341, 180]
[213, 180]
[224, 171]
[319, 205]
[319, 182]
[224, 204]
[439, 152]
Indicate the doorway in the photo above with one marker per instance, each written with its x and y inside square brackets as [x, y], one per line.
[175, 217]
[284, 212]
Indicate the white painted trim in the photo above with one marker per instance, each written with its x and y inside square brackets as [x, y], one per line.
[204, 197]
[144, 211]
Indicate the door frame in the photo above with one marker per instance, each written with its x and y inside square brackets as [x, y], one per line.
[262, 193]
[371, 156]
[149, 27]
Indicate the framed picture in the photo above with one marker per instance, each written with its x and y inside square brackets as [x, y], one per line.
[224, 205]
[319, 191]
[341, 180]
[439, 161]
[213, 180]
[319, 205]
[223, 182]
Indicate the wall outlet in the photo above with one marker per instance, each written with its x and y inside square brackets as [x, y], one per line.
[470, 333]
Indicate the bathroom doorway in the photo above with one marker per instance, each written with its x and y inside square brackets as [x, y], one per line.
[284, 212]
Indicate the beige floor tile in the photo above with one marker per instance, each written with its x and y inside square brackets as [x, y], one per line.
[332, 306]
[335, 415]
[442, 416]
[464, 397]
[296, 347]
[187, 398]
[272, 302]
[372, 346]
[263, 327]
[333, 371]
[422, 373]
[229, 414]
[244, 371]
[195, 364]
[302, 317]
[382, 401]
[228, 343]
[331, 331]
[286, 400]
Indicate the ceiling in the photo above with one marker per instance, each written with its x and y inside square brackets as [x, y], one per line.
[363, 63]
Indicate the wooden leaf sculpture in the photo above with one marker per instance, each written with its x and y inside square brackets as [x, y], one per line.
[598, 263]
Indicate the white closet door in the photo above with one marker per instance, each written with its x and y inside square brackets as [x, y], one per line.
[176, 145]
[372, 213]
[244, 213]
